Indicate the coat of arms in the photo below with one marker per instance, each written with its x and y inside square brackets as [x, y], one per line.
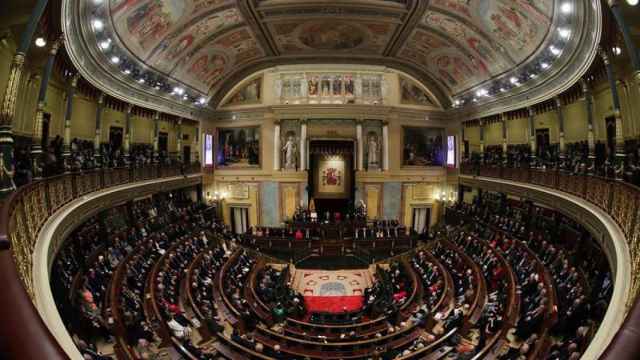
[331, 177]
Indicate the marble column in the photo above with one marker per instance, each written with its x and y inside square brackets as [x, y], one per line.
[360, 148]
[156, 137]
[613, 84]
[385, 146]
[503, 120]
[36, 138]
[66, 150]
[560, 115]
[127, 131]
[588, 98]
[626, 34]
[197, 141]
[98, 136]
[8, 106]
[532, 131]
[303, 145]
[461, 147]
[179, 141]
[277, 146]
[481, 137]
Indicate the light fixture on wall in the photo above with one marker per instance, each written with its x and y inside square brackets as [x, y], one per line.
[632, 2]
[40, 41]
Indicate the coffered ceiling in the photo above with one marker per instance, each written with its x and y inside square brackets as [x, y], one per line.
[183, 54]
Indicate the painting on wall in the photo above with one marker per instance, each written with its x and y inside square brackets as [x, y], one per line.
[238, 147]
[412, 94]
[423, 146]
[249, 94]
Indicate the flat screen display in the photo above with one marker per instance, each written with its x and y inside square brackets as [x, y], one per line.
[451, 151]
[208, 150]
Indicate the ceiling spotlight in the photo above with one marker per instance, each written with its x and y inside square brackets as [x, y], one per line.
[115, 59]
[544, 65]
[566, 8]
[533, 76]
[98, 25]
[178, 90]
[514, 80]
[482, 92]
[617, 50]
[632, 2]
[564, 33]
[554, 50]
[104, 45]
[41, 42]
[141, 80]
[185, 97]
[503, 90]
[127, 71]
[202, 101]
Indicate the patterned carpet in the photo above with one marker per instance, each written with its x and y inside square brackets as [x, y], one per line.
[332, 291]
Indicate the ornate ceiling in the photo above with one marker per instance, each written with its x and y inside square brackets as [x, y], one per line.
[191, 52]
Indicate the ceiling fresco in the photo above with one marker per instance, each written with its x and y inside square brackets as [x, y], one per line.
[451, 46]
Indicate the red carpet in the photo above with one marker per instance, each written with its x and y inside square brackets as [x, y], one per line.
[333, 304]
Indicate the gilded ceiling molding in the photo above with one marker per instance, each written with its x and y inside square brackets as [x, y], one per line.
[465, 53]
[86, 59]
[565, 72]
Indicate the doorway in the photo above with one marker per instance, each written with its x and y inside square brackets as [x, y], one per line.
[46, 120]
[186, 154]
[610, 122]
[420, 220]
[163, 141]
[239, 219]
[115, 137]
[542, 141]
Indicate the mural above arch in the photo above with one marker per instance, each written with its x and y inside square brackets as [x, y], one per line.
[204, 47]
[411, 93]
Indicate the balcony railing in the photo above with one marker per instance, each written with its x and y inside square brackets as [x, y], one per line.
[619, 199]
[23, 213]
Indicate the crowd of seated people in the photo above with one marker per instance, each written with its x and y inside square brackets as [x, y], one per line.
[94, 252]
[81, 156]
[578, 310]
[576, 159]
[273, 290]
[431, 277]
[388, 293]
[499, 302]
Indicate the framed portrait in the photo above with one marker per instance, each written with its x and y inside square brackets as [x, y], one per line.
[238, 147]
[423, 146]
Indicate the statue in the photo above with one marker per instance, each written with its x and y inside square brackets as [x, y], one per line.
[373, 150]
[289, 150]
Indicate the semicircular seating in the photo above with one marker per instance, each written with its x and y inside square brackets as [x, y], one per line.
[165, 282]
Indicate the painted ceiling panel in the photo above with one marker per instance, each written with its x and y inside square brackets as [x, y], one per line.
[488, 37]
[454, 47]
[332, 36]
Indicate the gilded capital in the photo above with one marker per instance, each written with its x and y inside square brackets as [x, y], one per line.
[74, 80]
[604, 55]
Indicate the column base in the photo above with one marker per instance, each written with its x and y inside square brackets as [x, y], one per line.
[36, 161]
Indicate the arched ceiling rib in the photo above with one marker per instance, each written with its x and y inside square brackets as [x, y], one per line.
[200, 45]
